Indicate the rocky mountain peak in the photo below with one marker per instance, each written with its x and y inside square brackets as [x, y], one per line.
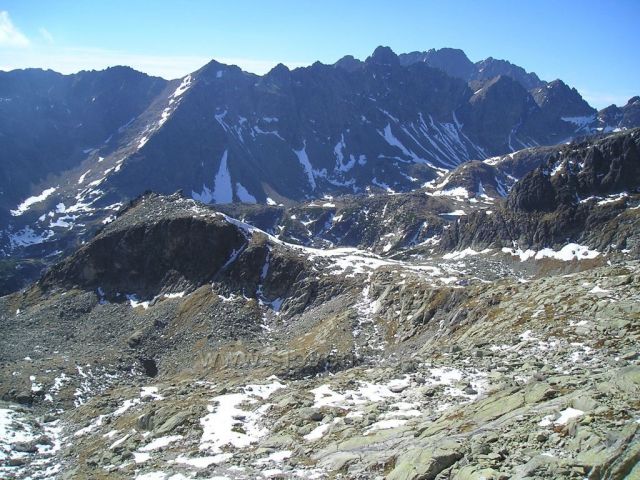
[211, 71]
[280, 74]
[498, 84]
[558, 99]
[349, 63]
[383, 56]
[453, 61]
[491, 67]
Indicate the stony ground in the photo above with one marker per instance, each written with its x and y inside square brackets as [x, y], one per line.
[516, 378]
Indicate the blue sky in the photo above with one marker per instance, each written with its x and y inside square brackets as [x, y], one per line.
[592, 45]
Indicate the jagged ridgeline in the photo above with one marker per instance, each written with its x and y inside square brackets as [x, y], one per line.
[410, 267]
[75, 147]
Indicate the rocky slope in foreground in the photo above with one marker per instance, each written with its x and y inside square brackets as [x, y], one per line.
[182, 343]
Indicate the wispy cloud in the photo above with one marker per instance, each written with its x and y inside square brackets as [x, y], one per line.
[10, 36]
[72, 60]
[46, 35]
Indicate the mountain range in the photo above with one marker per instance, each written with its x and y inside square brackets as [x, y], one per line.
[75, 148]
[406, 267]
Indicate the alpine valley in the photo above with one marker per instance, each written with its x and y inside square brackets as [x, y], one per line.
[408, 267]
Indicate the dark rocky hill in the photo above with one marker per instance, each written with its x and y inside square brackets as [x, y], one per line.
[585, 193]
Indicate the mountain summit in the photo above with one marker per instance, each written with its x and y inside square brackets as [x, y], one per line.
[78, 147]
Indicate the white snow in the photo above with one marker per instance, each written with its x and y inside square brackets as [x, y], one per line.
[12, 429]
[218, 426]
[120, 441]
[159, 443]
[347, 259]
[222, 192]
[391, 139]
[275, 133]
[467, 252]
[365, 393]
[338, 151]
[527, 336]
[455, 213]
[204, 462]
[222, 189]
[83, 176]
[141, 457]
[276, 457]
[571, 251]
[388, 114]
[175, 295]
[580, 121]
[481, 193]
[150, 475]
[206, 196]
[459, 192]
[563, 418]
[303, 158]
[271, 201]
[317, 433]
[183, 87]
[24, 206]
[126, 405]
[35, 387]
[244, 195]
[613, 198]
[27, 236]
[558, 168]
[135, 302]
[383, 185]
[384, 425]
[150, 392]
[598, 289]
[568, 252]
[165, 116]
[524, 255]
[15, 427]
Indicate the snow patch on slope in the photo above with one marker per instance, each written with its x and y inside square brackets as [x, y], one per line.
[26, 205]
[303, 158]
[571, 251]
[244, 195]
[222, 188]
[222, 192]
[183, 87]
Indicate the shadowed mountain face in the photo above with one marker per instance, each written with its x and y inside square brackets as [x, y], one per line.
[389, 120]
[456, 63]
[76, 148]
[49, 121]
